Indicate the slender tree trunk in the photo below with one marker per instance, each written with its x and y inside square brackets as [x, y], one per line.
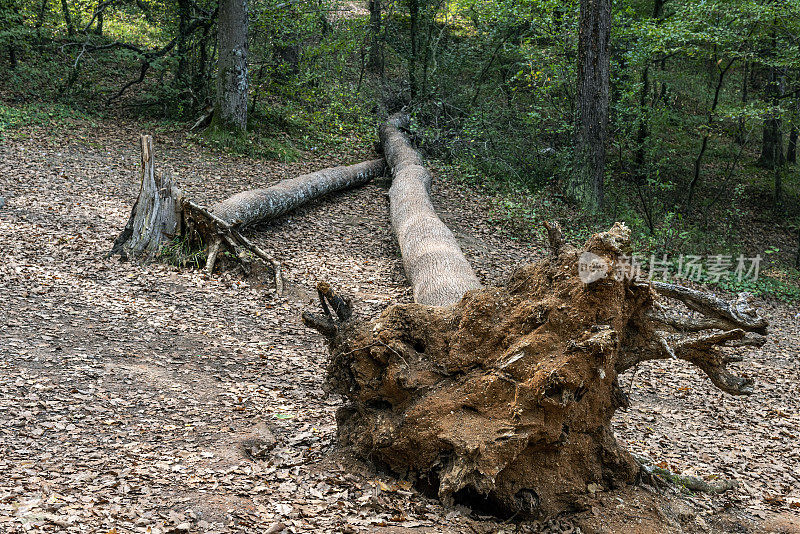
[778, 193]
[772, 140]
[375, 63]
[791, 149]
[592, 103]
[644, 126]
[40, 15]
[413, 6]
[740, 130]
[182, 49]
[98, 28]
[797, 255]
[698, 162]
[644, 122]
[67, 18]
[12, 56]
[230, 112]
[199, 80]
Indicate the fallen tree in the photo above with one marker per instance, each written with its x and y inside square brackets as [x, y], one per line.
[161, 214]
[505, 395]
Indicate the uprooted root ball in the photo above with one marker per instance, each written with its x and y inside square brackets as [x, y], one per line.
[506, 398]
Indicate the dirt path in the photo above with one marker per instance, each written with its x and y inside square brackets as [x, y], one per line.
[126, 391]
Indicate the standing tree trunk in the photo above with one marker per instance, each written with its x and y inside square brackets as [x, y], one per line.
[698, 162]
[184, 12]
[67, 18]
[772, 141]
[40, 15]
[230, 112]
[791, 148]
[413, 8]
[98, 29]
[740, 130]
[643, 130]
[592, 101]
[375, 63]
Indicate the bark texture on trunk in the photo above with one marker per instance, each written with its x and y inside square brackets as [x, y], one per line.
[250, 207]
[155, 218]
[231, 101]
[433, 261]
[592, 101]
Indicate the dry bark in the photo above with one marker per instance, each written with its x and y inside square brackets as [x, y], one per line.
[433, 261]
[506, 397]
[160, 214]
[250, 207]
[155, 218]
[231, 100]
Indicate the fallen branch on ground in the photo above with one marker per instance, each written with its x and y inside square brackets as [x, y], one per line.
[161, 214]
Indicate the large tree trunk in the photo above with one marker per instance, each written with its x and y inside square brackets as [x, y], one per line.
[592, 101]
[432, 259]
[231, 101]
[504, 396]
[161, 215]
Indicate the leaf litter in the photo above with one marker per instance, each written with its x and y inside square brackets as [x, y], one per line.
[152, 399]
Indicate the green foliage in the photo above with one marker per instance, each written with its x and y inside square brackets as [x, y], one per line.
[181, 253]
[13, 118]
[252, 144]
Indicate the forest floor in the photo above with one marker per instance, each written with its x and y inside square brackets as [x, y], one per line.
[126, 392]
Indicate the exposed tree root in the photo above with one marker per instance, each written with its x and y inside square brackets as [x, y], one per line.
[506, 397]
[665, 479]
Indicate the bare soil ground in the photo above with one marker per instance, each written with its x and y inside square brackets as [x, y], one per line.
[126, 391]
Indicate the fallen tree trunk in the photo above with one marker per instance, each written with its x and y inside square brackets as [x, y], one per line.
[161, 215]
[505, 396]
[432, 259]
[257, 205]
